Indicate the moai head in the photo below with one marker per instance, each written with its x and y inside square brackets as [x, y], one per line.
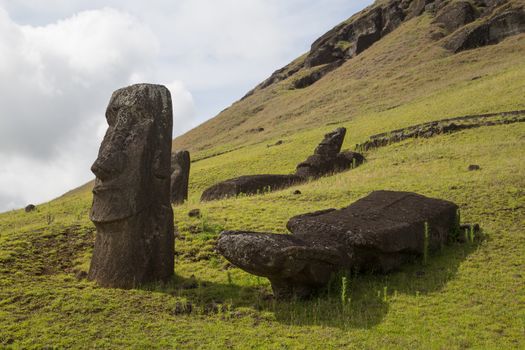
[332, 143]
[131, 171]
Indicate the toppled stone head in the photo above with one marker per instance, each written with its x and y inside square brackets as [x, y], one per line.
[332, 143]
[328, 158]
[376, 233]
[131, 205]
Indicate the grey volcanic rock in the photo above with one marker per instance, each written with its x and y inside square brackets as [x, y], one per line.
[29, 208]
[488, 31]
[249, 184]
[377, 233]
[180, 176]
[455, 15]
[465, 24]
[131, 203]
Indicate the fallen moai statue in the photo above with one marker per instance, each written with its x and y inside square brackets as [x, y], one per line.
[180, 176]
[250, 184]
[131, 198]
[327, 159]
[376, 233]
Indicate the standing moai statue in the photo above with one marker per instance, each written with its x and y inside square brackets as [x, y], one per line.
[131, 203]
[180, 176]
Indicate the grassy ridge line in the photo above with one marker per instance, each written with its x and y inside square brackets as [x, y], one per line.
[468, 296]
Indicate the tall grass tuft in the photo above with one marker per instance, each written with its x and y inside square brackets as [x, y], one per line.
[426, 237]
[344, 290]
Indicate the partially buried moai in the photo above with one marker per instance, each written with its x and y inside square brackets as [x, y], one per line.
[131, 198]
[180, 176]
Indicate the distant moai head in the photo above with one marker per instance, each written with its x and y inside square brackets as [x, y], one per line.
[131, 170]
[332, 143]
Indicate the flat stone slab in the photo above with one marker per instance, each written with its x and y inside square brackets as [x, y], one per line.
[376, 233]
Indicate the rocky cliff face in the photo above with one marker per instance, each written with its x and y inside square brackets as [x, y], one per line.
[459, 24]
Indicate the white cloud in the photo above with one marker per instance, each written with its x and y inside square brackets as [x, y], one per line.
[55, 81]
[183, 106]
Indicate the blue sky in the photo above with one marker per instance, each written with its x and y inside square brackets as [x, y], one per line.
[61, 59]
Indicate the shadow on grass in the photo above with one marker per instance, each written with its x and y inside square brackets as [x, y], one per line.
[369, 295]
[367, 303]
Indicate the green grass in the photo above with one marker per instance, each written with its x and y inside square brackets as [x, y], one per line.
[469, 295]
[466, 296]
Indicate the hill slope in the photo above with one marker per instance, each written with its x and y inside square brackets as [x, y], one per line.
[469, 295]
[406, 76]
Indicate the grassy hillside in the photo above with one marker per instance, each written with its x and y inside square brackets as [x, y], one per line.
[468, 296]
[404, 78]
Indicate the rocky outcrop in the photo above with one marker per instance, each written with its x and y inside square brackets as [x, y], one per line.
[180, 176]
[488, 31]
[377, 233]
[131, 197]
[316, 74]
[464, 24]
[327, 159]
[455, 15]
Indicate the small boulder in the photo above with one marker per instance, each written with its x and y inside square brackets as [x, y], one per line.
[194, 213]
[296, 192]
[29, 208]
[473, 167]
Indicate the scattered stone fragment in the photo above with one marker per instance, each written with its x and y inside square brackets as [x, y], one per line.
[376, 233]
[474, 167]
[180, 176]
[297, 192]
[29, 208]
[194, 213]
[131, 198]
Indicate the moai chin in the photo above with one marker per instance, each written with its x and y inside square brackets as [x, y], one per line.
[131, 198]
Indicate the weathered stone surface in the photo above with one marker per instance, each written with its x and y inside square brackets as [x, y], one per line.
[180, 176]
[131, 203]
[488, 31]
[316, 74]
[29, 208]
[249, 184]
[355, 35]
[376, 233]
[455, 15]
